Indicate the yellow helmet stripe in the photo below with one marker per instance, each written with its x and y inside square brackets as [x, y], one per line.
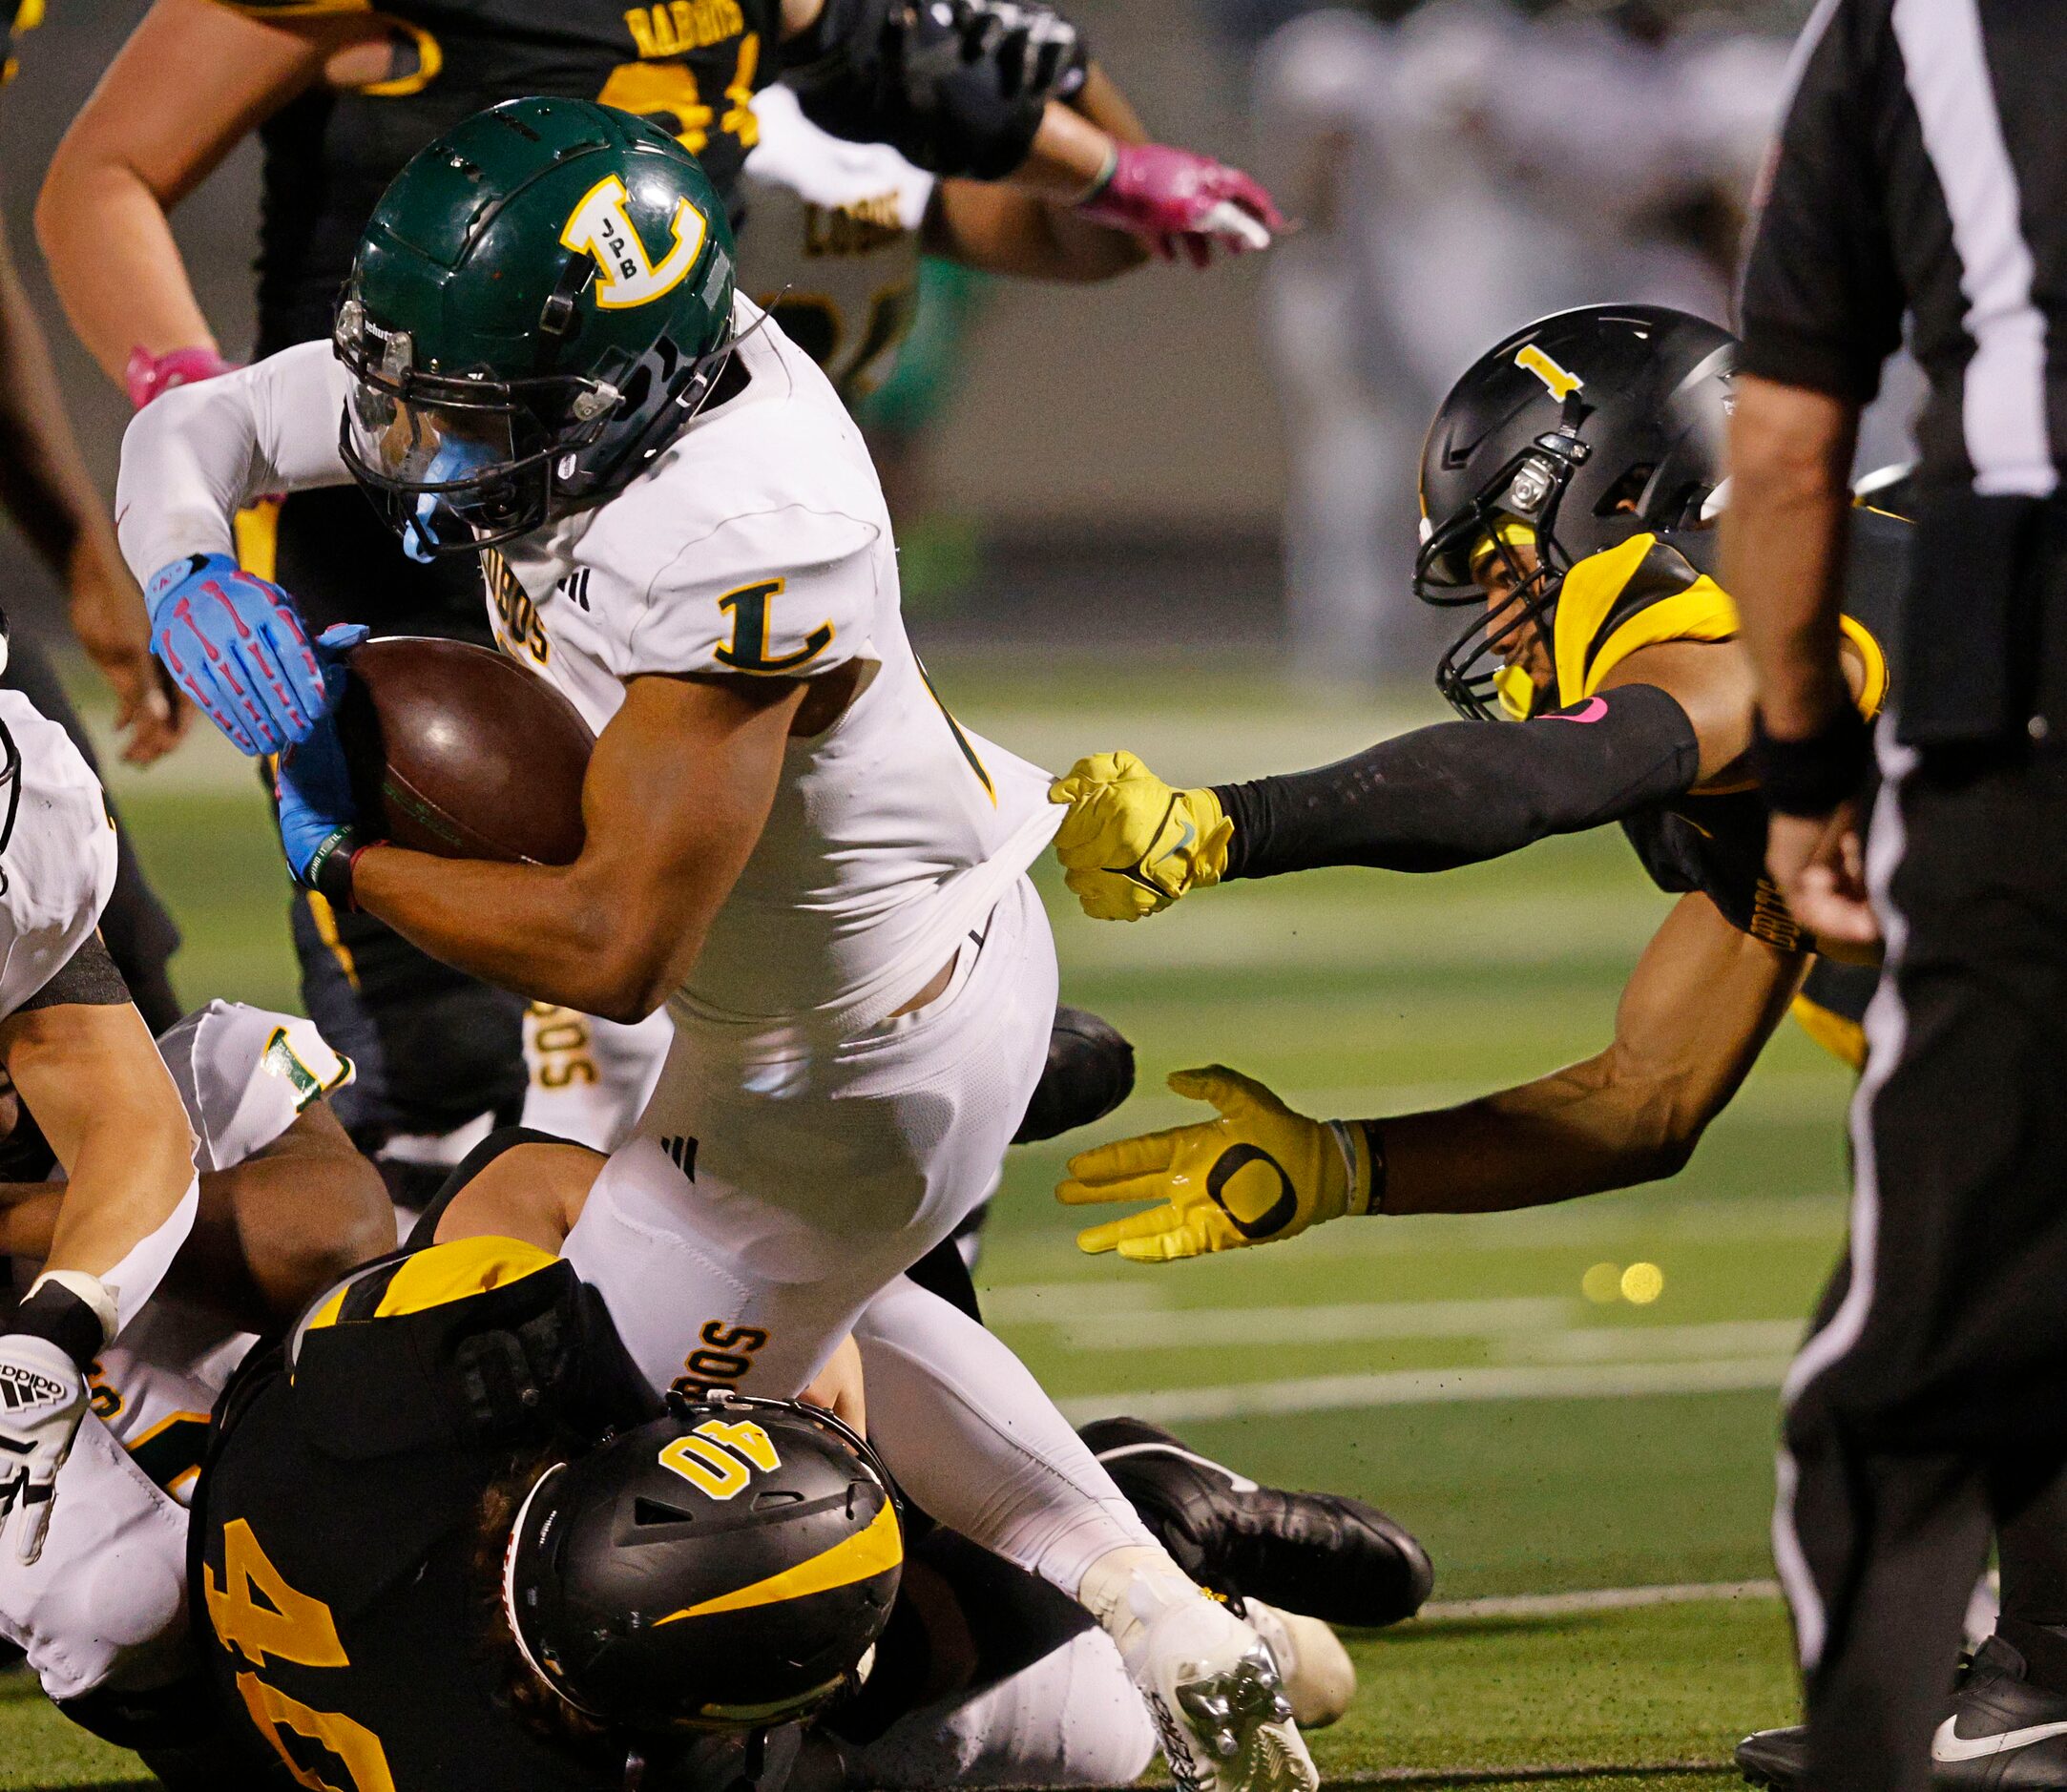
[861, 1556]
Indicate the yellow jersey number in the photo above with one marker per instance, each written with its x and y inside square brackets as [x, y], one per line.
[668, 89]
[290, 1625]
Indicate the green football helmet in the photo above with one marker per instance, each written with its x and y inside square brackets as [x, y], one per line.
[540, 304]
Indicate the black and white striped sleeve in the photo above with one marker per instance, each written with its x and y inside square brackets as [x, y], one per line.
[1822, 299]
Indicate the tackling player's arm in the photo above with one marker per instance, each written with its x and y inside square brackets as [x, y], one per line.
[194, 79]
[271, 1233]
[677, 792]
[86, 1066]
[1700, 1004]
[1669, 720]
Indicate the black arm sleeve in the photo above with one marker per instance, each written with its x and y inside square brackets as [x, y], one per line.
[1463, 791]
[88, 978]
[1823, 296]
[956, 86]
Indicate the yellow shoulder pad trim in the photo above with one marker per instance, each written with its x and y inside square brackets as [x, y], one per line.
[859, 1557]
[452, 1272]
[1701, 613]
[1590, 591]
[1843, 1039]
[442, 1274]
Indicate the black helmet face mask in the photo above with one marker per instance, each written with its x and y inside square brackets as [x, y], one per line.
[1479, 672]
[456, 462]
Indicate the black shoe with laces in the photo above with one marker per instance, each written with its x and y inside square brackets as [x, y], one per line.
[2002, 1734]
[1322, 1555]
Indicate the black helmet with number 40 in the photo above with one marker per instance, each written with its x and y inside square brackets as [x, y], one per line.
[1567, 437]
[540, 304]
[729, 1567]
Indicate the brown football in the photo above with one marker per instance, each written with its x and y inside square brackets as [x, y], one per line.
[455, 750]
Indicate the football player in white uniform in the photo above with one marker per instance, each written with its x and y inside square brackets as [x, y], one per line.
[540, 358]
[101, 1615]
[73, 1047]
[830, 247]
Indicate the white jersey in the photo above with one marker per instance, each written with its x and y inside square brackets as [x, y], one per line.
[831, 240]
[757, 543]
[105, 1605]
[58, 865]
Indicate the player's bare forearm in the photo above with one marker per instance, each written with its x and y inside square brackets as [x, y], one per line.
[192, 79]
[1784, 537]
[92, 1075]
[271, 1233]
[998, 229]
[676, 795]
[43, 477]
[1026, 227]
[275, 1231]
[1698, 1009]
[534, 1193]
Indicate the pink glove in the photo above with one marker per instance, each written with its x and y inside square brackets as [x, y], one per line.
[1172, 195]
[147, 375]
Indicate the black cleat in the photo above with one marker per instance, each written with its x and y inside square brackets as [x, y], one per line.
[1322, 1555]
[2002, 1734]
[1090, 1072]
[1776, 1758]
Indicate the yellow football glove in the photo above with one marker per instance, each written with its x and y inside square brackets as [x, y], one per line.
[1131, 846]
[1257, 1173]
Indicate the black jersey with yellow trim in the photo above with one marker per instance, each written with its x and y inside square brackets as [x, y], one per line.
[690, 66]
[1651, 590]
[342, 1599]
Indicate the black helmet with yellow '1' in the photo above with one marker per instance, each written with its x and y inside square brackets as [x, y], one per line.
[1567, 437]
[726, 1566]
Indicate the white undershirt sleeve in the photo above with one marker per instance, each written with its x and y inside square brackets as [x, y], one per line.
[196, 456]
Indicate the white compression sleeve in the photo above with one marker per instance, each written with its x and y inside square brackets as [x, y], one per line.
[971, 1436]
[195, 457]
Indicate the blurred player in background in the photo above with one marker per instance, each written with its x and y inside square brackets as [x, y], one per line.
[1457, 174]
[1572, 478]
[49, 497]
[341, 97]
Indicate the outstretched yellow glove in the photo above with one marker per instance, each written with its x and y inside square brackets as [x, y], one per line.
[1131, 845]
[1257, 1173]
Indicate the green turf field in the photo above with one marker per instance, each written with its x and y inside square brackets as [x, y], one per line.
[1460, 1372]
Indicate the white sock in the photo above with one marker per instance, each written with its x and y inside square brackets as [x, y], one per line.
[971, 1436]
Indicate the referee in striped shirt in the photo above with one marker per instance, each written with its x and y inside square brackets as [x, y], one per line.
[1921, 174]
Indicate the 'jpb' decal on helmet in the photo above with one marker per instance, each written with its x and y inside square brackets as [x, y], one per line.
[1532, 360]
[626, 276]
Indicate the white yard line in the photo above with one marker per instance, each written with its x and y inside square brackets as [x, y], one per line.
[1419, 1388]
[1100, 1326]
[1595, 1599]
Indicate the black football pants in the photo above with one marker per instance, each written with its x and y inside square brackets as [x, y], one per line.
[1929, 1402]
[139, 934]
